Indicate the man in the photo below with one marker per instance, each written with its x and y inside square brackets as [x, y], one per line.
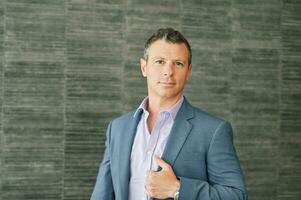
[168, 149]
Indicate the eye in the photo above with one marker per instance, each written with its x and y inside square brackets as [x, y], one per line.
[179, 64]
[160, 62]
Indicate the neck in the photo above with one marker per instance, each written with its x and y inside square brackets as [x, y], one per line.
[156, 105]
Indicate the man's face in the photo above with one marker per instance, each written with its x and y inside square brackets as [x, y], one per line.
[166, 69]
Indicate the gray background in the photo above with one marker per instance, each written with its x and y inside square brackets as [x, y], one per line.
[68, 67]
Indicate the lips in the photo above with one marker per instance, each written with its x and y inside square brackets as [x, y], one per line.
[167, 83]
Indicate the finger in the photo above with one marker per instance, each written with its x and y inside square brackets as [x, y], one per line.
[148, 176]
[147, 173]
[149, 190]
[161, 163]
[146, 191]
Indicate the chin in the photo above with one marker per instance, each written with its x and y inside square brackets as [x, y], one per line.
[166, 93]
[169, 95]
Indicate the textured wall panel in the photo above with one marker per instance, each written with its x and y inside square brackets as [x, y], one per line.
[33, 100]
[68, 67]
[255, 93]
[93, 89]
[289, 186]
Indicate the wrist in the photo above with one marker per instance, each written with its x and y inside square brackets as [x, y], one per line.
[177, 189]
[176, 197]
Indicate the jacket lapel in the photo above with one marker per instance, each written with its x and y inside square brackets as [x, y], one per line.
[125, 150]
[179, 132]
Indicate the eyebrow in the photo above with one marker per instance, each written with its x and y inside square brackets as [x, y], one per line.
[158, 57]
[175, 60]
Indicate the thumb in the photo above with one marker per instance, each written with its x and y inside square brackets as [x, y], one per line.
[161, 163]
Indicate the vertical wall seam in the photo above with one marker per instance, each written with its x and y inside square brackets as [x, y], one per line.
[230, 72]
[2, 89]
[64, 102]
[124, 53]
[280, 66]
[181, 17]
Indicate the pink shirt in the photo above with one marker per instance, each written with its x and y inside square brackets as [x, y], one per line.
[147, 145]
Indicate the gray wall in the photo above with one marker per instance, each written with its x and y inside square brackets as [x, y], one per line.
[68, 67]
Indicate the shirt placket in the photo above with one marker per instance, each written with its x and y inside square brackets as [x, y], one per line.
[153, 141]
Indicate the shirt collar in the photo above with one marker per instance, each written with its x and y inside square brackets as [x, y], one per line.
[142, 106]
[173, 110]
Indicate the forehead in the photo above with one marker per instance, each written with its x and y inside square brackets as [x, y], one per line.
[165, 49]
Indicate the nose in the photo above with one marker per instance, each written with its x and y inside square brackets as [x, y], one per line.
[168, 69]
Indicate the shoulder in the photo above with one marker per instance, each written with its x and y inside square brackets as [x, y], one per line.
[210, 127]
[206, 116]
[204, 120]
[203, 115]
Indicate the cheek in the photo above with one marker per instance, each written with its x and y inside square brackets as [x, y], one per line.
[184, 79]
[186, 76]
[153, 74]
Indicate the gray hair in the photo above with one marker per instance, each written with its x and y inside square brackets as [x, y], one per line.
[169, 35]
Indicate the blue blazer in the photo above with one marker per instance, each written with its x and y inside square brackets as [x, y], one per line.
[200, 150]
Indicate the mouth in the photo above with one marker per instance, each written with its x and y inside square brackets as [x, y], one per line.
[167, 83]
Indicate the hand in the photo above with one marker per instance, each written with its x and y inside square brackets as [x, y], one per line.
[162, 184]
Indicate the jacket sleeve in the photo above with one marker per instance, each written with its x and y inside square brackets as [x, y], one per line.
[225, 177]
[103, 189]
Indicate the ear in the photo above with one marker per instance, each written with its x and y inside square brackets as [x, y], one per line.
[189, 72]
[143, 66]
